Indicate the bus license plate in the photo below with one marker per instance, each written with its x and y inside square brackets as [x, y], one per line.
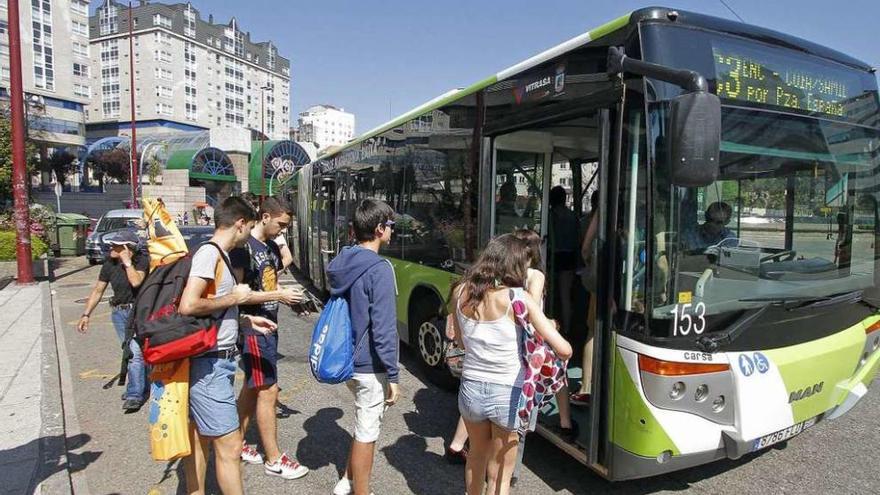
[782, 435]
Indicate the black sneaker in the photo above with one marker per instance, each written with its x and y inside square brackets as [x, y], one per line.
[132, 406]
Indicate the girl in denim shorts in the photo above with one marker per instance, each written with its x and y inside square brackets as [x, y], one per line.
[492, 373]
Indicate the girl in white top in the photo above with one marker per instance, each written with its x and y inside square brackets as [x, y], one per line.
[492, 373]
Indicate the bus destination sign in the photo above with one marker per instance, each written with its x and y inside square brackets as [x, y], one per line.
[768, 77]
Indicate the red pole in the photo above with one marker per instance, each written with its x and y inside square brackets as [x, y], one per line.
[19, 165]
[134, 156]
[262, 142]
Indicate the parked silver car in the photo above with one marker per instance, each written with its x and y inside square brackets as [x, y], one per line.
[111, 221]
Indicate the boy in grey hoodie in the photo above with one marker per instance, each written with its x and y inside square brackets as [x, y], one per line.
[367, 283]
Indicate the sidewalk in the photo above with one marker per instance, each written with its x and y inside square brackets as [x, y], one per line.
[32, 439]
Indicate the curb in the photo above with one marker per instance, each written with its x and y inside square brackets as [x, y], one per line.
[50, 475]
[76, 482]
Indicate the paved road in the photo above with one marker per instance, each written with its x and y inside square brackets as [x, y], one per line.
[838, 456]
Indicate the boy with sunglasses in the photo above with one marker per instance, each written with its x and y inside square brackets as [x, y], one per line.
[367, 283]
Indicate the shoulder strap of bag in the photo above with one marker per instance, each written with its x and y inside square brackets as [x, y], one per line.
[228, 266]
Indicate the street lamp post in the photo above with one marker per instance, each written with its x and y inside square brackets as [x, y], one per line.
[133, 167]
[263, 88]
[19, 167]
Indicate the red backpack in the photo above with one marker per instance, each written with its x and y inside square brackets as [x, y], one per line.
[166, 335]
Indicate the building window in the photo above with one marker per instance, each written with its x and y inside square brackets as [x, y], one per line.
[164, 109]
[164, 74]
[161, 20]
[4, 73]
[80, 49]
[79, 28]
[111, 109]
[164, 92]
[80, 7]
[80, 70]
[270, 58]
[44, 57]
[108, 19]
[82, 90]
[192, 112]
[109, 51]
[161, 37]
[162, 56]
[189, 22]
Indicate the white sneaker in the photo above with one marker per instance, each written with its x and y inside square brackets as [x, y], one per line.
[343, 487]
[286, 467]
[251, 455]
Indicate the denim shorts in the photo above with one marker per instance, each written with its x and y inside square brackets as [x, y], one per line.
[212, 395]
[483, 401]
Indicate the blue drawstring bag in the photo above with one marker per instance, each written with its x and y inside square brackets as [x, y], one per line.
[331, 354]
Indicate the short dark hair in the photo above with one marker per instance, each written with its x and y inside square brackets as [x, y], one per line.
[251, 198]
[274, 208]
[232, 210]
[369, 214]
[558, 196]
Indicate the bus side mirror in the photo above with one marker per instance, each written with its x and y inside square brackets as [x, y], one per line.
[694, 140]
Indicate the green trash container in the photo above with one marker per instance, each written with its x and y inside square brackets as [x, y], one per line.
[72, 230]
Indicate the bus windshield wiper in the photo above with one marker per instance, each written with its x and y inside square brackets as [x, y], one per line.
[711, 343]
[796, 302]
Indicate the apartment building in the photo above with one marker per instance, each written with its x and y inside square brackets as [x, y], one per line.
[55, 69]
[189, 73]
[325, 125]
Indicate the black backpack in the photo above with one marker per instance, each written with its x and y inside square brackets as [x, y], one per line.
[164, 334]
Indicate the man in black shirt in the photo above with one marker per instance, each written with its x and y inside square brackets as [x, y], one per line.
[125, 270]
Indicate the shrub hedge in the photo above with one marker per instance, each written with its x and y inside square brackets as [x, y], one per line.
[7, 246]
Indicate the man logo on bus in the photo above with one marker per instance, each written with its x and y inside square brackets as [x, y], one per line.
[746, 365]
[761, 362]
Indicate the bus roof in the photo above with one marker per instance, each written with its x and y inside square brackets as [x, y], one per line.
[648, 14]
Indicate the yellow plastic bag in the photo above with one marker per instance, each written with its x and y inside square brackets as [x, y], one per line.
[169, 411]
[166, 244]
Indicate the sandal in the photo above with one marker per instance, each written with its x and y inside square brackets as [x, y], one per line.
[579, 399]
[456, 456]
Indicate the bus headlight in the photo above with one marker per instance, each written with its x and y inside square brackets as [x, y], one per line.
[702, 393]
[677, 391]
[701, 388]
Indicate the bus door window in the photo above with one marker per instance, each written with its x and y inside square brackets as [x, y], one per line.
[632, 217]
[519, 181]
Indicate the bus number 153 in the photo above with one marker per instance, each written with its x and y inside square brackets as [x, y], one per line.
[689, 317]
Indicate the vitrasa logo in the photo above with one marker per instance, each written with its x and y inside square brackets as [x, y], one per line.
[805, 392]
[317, 347]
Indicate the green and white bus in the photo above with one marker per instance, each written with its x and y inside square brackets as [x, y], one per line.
[736, 170]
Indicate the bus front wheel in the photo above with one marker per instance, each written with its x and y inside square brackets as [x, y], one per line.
[430, 342]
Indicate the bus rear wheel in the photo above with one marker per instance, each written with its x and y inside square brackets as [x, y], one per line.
[430, 342]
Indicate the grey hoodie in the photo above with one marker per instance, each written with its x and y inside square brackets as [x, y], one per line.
[366, 281]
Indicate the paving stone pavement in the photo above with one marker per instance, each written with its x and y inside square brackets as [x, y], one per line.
[32, 439]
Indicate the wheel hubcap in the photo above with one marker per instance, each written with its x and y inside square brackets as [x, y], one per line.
[430, 343]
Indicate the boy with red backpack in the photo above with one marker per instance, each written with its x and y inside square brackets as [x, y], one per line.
[212, 395]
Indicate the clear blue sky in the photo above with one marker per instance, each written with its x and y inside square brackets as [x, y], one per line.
[374, 57]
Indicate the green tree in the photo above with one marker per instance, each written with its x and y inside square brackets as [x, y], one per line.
[61, 162]
[6, 157]
[114, 164]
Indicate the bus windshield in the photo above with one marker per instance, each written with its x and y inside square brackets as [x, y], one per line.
[792, 216]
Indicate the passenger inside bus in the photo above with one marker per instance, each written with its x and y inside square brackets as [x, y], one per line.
[588, 279]
[564, 232]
